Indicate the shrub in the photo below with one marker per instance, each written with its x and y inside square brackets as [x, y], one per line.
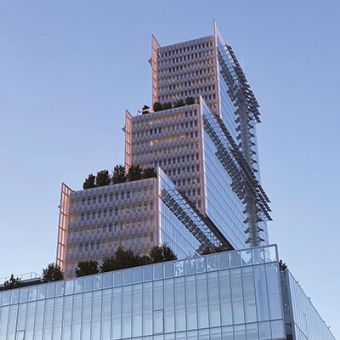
[121, 259]
[145, 109]
[212, 250]
[134, 173]
[179, 103]
[157, 106]
[190, 100]
[52, 273]
[127, 258]
[12, 282]
[103, 178]
[87, 268]
[149, 173]
[282, 266]
[162, 253]
[118, 175]
[167, 106]
[89, 182]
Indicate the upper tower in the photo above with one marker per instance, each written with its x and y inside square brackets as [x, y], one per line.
[208, 67]
[186, 141]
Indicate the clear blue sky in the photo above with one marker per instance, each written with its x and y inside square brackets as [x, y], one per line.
[68, 71]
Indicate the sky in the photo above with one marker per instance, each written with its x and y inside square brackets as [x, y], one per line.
[69, 70]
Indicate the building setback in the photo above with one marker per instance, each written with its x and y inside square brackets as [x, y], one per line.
[134, 215]
[194, 149]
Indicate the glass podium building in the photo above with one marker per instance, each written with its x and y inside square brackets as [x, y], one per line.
[236, 295]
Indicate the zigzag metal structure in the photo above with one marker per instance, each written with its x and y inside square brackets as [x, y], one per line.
[193, 221]
[235, 163]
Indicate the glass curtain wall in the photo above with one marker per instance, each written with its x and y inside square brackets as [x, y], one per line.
[182, 228]
[223, 206]
[231, 295]
[306, 321]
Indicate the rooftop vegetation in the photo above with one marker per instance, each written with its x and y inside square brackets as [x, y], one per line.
[218, 249]
[122, 259]
[12, 282]
[157, 106]
[51, 273]
[119, 175]
[282, 265]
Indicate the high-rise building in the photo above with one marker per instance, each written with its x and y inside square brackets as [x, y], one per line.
[205, 193]
[202, 134]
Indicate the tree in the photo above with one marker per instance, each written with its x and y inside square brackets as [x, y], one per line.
[145, 259]
[122, 259]
[134, 173]
[190, 100]
[167, 106]
[157, 106]
[86, 268]
[126, 259]
[212, 250]
[89, 182]
[52, 273]
[149, 173]
[12, 283]
[162, 253]
[145, 109]
[108, 264]
[118, 175]
[179, 103]
[103, 178]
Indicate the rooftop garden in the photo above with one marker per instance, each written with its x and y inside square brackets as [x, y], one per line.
[157, 106]
[51, 273]
[119, 175]
[123, 259]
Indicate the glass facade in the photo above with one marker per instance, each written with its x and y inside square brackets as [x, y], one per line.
[230, 295]
[239, 113]
[174, 232]
[305, 321]
[223, 206]
[183, 228]
[227, 107]
[238, 194]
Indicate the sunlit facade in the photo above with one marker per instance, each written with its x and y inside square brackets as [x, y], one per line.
[135, 215]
